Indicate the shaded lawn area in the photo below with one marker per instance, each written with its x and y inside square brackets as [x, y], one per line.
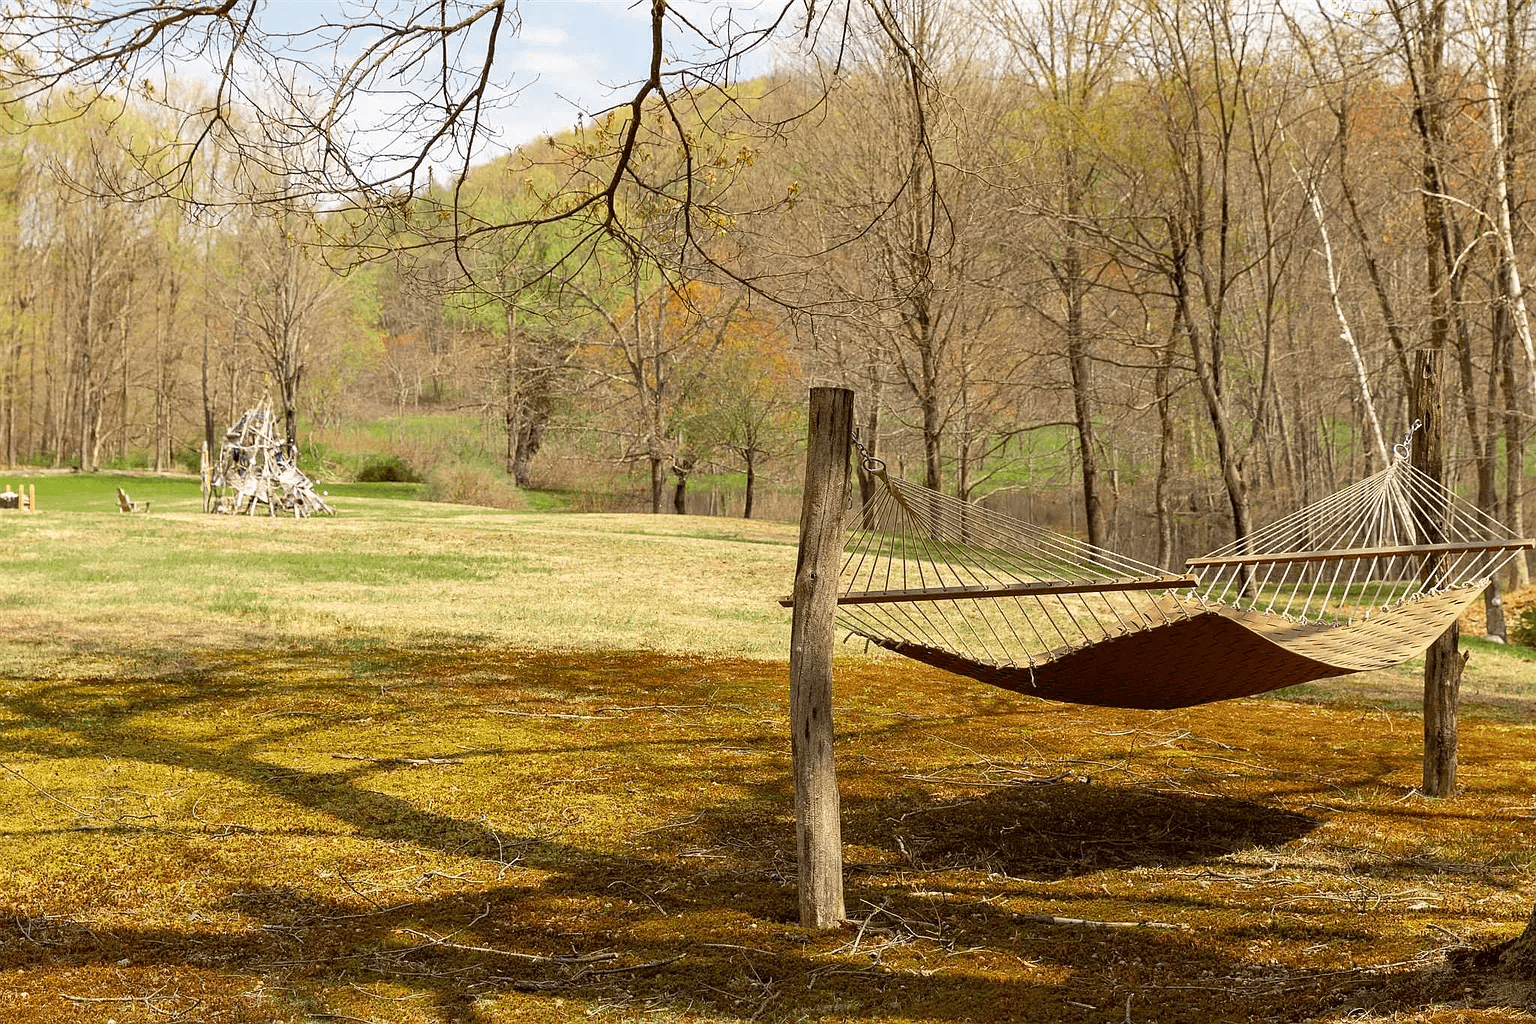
[359, 830]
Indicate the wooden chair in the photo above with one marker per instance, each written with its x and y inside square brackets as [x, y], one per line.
[125, 504]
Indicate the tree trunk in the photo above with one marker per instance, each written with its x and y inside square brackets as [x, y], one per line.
[530, 437]
[1506, 161]
[1166, 428]
[123, 397]
[1079, 359]
[1518, 956]
[209, 437]
[1207, 359]
[870, 435]
[933, 440]
[682, 466]
[657, 476]
[95, 433]
[510, 431]
[1087, 449]
[1514, 463]
[510, 394]
[291, 409]
[13, 393]
[751, 457]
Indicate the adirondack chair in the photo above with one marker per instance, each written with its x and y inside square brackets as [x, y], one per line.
[125, 504]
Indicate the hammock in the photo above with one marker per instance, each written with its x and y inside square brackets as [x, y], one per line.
[1362, 580]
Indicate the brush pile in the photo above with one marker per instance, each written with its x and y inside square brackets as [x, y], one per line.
[258, 467]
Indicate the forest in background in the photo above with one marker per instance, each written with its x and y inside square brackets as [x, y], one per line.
[1159, 270]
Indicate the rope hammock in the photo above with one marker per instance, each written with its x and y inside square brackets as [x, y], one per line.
[1361, 580]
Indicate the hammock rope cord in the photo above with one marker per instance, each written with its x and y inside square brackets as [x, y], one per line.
[1363, 579]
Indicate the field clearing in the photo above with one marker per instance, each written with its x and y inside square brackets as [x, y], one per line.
[430, 764]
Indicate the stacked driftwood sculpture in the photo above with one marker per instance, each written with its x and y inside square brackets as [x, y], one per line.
[257, 467]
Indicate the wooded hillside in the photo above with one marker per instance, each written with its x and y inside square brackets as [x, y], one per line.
[1174, 256]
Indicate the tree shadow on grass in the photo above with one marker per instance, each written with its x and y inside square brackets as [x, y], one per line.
[697, 921]
[696, 938]
[1064, 829]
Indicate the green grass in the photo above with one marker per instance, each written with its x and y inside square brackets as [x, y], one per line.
[97, 492]
[387, 490]
[404, 568]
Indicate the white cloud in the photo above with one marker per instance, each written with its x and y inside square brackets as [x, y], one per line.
[543, 35]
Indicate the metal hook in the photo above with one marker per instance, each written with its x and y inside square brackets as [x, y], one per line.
[1402, 449]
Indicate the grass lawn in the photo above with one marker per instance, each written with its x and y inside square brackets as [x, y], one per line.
[423, 763]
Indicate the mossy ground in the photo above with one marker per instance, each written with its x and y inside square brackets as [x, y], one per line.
[382, 819]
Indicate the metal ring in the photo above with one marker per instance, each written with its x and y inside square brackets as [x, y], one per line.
[1404, 447]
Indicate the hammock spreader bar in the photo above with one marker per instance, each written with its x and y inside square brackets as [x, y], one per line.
[1339, 554]
[1013, 590]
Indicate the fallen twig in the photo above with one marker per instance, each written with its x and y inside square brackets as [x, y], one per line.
[670, 824]
[535, 958]
[1009, 779]
[1083, 922]
[630, 969]
[413, 762]
[1457, 939]
[550, 984]
[106, 999]
[12, 771]
[549, 714]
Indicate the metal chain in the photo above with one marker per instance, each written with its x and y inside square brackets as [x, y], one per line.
[871, 463]
[1403, 448]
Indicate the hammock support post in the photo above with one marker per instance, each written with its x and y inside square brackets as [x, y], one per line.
[813, 635]
[1442, 661]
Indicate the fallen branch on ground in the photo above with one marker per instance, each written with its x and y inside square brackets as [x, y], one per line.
[1048, 919]
[549, 984]
[412, 762]
[550, 714]
[537, 958]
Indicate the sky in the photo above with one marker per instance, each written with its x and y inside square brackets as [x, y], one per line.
[583, 55]
[574, 55]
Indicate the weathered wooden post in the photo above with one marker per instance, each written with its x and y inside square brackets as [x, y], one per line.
[205, 476]
[1442, 661]
[813, 634]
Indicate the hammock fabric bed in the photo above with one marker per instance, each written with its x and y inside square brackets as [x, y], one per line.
[1362, 580]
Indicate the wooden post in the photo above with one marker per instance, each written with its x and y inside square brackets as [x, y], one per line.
[1442, 661]
[813, 634]
[205, 477]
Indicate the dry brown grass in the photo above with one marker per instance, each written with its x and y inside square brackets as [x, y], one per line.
[377, 817]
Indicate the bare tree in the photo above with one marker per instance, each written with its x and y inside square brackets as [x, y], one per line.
[1068, 55]
[284, 299]
[902, 232]
[655, 355]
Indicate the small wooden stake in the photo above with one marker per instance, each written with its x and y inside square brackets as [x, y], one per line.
[1442, 661]
[813, 634]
